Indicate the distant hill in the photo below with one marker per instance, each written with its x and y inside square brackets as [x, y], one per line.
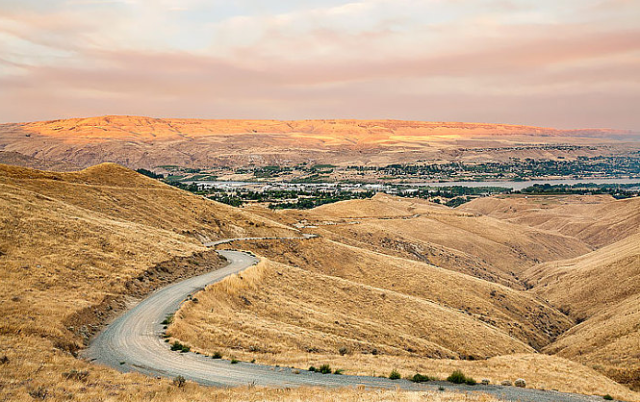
[144, 142]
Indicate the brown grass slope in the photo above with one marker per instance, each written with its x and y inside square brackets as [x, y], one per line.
[603, 290]
[596, 220]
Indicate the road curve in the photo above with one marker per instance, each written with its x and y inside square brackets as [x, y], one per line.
[133, 343]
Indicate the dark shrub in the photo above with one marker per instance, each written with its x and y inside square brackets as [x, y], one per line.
[216, 355]
[312, 369]
[421, 378]
[457, 377]
[470, 381]
[394, 375]
[338, 371]
[325, 369]
[607, 397]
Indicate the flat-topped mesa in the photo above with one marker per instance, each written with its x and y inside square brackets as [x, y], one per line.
[157, 129]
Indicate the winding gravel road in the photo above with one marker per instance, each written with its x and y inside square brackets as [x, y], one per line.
[133, 343]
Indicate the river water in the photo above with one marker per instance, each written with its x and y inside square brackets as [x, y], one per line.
[515, 185]
[519, 185]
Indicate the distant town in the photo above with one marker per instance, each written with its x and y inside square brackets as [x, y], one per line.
[306, 186]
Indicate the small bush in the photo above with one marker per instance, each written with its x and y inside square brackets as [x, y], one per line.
[235, 361]
[418, 378]
[179, 381]
[344, 351]
[457, 377]
[520, 383]
[216, 355]
[394, 375]
[470, 381]
[312, 369]
[4, 360]
[167, 320]
[607, 397]
[338, 371]
[177, 346]
[324, 369]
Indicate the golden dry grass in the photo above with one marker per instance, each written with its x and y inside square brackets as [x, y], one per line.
[35, 367]
[70, 241]
[513, 313]
[270, 313]
[602, 289]
[597, 220]
[481, 246]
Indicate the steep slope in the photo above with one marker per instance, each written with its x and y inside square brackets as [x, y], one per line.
[147, 142]
[601, 289]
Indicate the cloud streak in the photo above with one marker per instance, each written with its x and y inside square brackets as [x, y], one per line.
[495, 61]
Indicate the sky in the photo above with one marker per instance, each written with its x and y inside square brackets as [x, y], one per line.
[552, 63]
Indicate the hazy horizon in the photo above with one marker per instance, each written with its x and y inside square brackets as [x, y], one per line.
[568, 65]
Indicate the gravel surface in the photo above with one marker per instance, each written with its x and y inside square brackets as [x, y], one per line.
[133, 343]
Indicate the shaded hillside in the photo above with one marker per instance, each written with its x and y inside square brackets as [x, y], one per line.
[17, 159]
[514, 313]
